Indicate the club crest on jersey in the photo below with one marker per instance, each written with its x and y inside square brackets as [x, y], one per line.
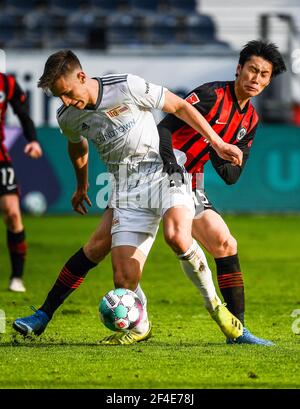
[2, 97]
[242, 132]
[192, 99]
[116, 111]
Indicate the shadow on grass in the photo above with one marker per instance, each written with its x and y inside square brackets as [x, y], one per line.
[19, 341]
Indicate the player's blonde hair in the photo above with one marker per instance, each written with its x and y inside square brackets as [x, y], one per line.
[57, 65]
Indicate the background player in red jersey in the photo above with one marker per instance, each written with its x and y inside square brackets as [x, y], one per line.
[227, 107]
[11, 93]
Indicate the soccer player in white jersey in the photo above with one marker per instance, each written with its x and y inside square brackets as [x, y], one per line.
[114, 112]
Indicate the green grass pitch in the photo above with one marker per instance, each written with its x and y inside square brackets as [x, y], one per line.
[187, 349]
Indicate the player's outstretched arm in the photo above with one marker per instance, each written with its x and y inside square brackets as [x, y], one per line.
[79, 153]
[189, 114]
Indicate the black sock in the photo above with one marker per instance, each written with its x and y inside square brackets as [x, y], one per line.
[70, 278]
[231, 284]
[17, 247]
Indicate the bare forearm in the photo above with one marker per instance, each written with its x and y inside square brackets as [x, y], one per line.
[78, 153]
[192, 117]
[189, 114]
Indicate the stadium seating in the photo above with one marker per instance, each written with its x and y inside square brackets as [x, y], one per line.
[199, 29]
[164, 29]
[182, 6]
[125, 29]
[104, 23]
[21, 4]
[145, 5]
[8, 27]
[65, 5]
[105, 6]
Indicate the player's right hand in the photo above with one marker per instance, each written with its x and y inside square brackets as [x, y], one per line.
[230, 153]
[78, 199]
[175, 172]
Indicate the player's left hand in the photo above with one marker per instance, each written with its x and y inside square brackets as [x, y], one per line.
[33, 149]
[229, 152]
[79, 198]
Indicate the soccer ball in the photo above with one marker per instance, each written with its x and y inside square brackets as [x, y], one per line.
[35, 203]
[121, 309]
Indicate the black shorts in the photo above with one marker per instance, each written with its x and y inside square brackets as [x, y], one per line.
[202, 202]
[8, 181]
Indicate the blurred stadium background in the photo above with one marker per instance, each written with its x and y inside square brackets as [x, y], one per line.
[177, 43]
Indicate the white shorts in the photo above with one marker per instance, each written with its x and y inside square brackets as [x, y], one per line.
[143, 211]
[142, 241]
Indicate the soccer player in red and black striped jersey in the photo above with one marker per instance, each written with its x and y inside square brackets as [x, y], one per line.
[11, 93]
[227, 107]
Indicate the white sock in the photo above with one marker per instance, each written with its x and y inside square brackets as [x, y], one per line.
[143, 325]
[195, 266]
[140, 293]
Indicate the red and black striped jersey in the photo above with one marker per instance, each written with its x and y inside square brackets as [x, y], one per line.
[11, 92]
[217, 102]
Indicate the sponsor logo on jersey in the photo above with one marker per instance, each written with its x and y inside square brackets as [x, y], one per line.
[242, 132]
[192, 99]
[147, 87]
[117, 111]
[119, 131]
[220, 122]
[2, 97]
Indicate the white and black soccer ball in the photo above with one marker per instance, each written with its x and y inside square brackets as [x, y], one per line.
[121, 309]
[35, 203]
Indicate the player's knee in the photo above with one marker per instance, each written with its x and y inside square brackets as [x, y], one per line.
[12, 218]
[226, 246]
[123, 280]
[232, 245]
[97, 249]
[176, 239]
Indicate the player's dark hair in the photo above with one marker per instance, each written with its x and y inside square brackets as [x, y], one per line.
[58, 64]
[268, 51]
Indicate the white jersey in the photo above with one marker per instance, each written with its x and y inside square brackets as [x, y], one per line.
[121, 125]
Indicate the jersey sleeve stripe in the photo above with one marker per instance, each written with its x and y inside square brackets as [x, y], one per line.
[112, 77]
[112, 82]
[62, 111]
[60, 108]
[161, 95]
